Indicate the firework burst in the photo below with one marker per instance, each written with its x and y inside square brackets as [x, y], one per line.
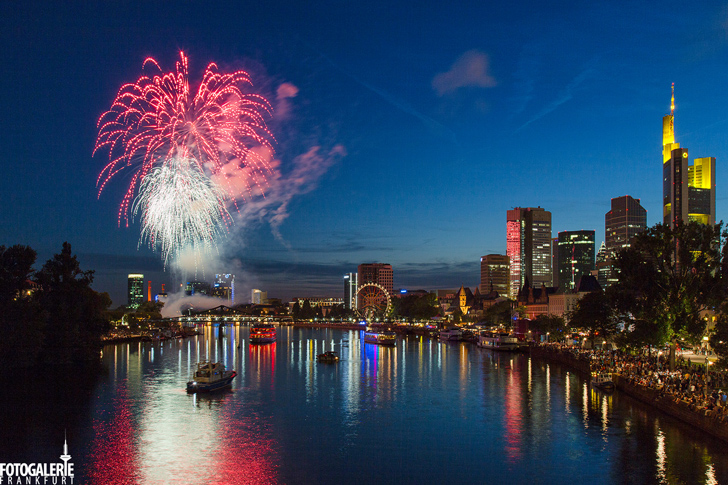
[183, 149]
[180, 207]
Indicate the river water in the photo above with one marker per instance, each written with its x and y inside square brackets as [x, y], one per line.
[420, 412]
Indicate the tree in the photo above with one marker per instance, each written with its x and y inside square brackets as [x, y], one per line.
[550, 324]
[415, 307]
[75, 314]
[21, 322]
[666, 279]
[296, 311]
[719, 337]
[499, 314]
[150, 310]
[594, 313]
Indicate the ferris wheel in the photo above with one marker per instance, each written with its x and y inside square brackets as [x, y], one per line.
[373, 300]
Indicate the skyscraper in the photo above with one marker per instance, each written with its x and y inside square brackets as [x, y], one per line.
[576, 257]
[623, 222]
[224, 287]
[258, 297]
[135, 285]
[495, 273]
[197, 288]
[379, 273]
[350, 287]
[528, 246]
[688, 191]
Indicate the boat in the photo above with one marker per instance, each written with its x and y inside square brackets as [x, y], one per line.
[210, 377]
[451, 334]
[328, 357]
[603, 381]
[380, 337]
[498, 341]
[263, 333]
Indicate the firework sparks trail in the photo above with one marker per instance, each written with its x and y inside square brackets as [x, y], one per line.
[157, 126]
[179, 206]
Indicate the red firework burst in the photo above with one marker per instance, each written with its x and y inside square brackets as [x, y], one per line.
[157, 119]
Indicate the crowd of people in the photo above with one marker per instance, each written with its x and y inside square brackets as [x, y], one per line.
[703, 389]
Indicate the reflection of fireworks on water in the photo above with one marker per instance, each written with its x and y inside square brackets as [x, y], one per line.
[179, 206]
[159, 128]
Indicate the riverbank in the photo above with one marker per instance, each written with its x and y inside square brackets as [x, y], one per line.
[711, 421]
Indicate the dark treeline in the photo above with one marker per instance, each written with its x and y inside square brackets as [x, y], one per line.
[50, 316]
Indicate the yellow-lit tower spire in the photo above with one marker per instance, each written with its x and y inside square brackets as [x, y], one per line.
[668, 130]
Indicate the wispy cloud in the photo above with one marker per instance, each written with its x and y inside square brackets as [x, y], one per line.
[529, 64]
[565, 94]
[272, 205]
[283, 105]
[434, 126]
[470, 70]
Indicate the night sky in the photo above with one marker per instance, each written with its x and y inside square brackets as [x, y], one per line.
[431, 121]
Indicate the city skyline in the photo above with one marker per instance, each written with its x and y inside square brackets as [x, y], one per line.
[410, 134]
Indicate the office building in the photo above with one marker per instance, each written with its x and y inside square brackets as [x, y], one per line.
[135, 293]
[258, 297]
[197, 288]
[224, 287]
[379, 273]
[622, 223]
[555, 262]
[576, 257]
[688, 191]
[350, 287]
[528, 246]
[495, 274]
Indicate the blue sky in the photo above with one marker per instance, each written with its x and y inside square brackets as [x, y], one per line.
[449, 115]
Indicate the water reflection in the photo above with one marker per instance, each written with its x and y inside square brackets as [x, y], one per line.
[409, 408]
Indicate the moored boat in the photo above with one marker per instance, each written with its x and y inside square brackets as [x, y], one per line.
[602, 381]
[210, 377]
[451, 334]
[263, 333]
[328, 357]
[380, 337]
[498, 341]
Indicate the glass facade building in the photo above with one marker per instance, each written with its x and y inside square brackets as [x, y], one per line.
[528, 247]
[350, 287]
[495, 274]
[576, 257]
[135, 290]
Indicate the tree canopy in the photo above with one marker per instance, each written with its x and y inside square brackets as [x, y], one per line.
[51, 316]
[667, 278]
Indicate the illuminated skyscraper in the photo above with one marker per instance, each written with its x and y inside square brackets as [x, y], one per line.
[576, 257]
[528, 246]
[350, 287]
[197, 288]
[379, 273]
[495, 274]
[224, 287]
[135, 290]
[688, 191]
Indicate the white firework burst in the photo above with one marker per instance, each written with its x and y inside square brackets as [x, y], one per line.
[180, 208]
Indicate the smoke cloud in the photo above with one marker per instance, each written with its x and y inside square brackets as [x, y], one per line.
[469, 70]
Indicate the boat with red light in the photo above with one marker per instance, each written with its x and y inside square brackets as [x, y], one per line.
[262, 333]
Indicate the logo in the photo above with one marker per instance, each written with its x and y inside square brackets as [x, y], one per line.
[39, 473]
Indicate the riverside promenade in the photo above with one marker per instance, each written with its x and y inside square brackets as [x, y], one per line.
[688, 393]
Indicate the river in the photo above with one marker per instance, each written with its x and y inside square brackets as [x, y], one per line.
[420, 412]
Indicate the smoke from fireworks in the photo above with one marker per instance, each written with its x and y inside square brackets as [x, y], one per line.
[183, 150]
